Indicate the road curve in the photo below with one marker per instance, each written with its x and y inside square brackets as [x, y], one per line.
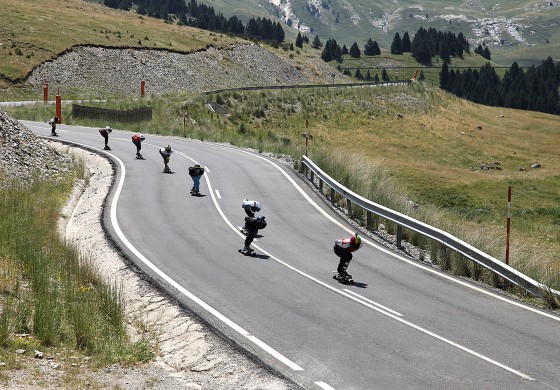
[403, 325]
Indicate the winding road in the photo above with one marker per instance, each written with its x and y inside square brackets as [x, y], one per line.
[403, 325]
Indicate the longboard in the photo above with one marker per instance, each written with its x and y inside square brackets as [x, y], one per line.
[245, 253]
[343, 281]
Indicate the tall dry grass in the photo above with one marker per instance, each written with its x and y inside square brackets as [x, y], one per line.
[48, 289]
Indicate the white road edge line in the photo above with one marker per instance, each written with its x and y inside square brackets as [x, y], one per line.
[324, 386]
[218, 194]
[389, 314]
[373, 303]
[180, 288]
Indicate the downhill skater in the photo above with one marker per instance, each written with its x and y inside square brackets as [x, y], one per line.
[105, 133]
[251, 207]
[166, 154]
[53, 123]
[196, 173]
[252, 224]
[137, 141]
[343, 248]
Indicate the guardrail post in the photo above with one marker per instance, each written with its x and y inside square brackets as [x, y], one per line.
[349, 207]
[399, 236]
[369, 218]
[332, 195]
[321, 185]
[311, 176]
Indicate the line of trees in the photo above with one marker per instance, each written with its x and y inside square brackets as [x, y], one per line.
[200, 15]
[300, 39]
[535, 89]
[483, 52]
[333, 51]
[399, 46]
[425, 45]
[431, 42]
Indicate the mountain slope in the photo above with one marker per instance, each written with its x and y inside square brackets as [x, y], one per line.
[523, 31]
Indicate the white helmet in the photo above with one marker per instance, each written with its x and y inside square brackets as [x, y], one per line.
[108, 128]
[142, 138]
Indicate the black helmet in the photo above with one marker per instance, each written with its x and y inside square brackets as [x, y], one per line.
[256, 206]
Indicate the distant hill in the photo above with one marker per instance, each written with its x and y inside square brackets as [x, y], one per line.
[522, 31]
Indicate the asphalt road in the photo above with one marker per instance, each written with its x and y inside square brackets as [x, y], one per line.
[402, 326]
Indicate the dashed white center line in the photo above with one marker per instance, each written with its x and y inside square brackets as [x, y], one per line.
[218, 194]
[373, 303]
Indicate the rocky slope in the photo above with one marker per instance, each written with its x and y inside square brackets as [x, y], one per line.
[23, 155]
[120, 71]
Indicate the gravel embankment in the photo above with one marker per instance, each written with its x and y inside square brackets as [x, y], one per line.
[121, 70]
[23, 155]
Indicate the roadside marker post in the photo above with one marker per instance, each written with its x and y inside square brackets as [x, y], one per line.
[508, 224]
[59, 106]
[307, 135]
[45, 92]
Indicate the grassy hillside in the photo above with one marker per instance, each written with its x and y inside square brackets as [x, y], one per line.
[35, 31]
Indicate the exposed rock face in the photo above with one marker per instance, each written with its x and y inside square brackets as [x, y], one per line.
[121, 71]
[24, 155]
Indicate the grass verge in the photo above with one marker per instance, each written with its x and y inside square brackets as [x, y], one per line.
[52, 299]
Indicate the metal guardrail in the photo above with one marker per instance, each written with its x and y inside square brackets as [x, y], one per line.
[309, 86]
[532, 286]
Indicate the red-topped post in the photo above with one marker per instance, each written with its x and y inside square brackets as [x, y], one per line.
[45, 92]
[142, 86]
[59, 107]
[508, 224]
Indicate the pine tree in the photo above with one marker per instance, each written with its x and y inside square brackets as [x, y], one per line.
[331, 51]
[299, 41]
[354, 51]
[406, 43]
[358, 74]
[316, 44]
[396, 46]
[444, 77]
[486, 53]
[279, 33]
[368, 49]
[376, 49]
[111, 3]
[384, 76]
[338, 54]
